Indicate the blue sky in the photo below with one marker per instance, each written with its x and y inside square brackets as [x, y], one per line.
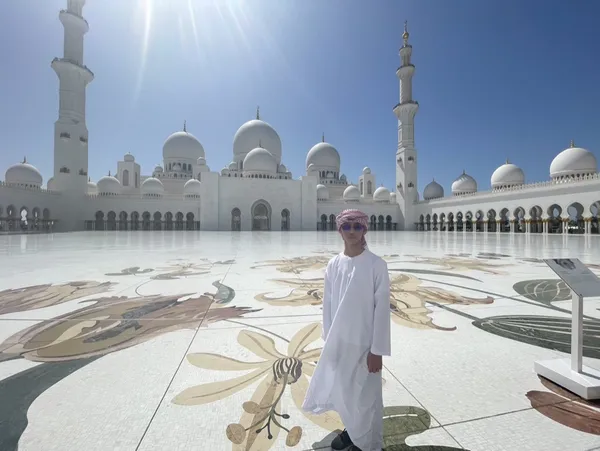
[513, 79]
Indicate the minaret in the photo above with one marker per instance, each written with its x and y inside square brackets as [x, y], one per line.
[70, 131]
[406, 155]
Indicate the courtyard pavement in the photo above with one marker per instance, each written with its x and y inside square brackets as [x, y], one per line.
[180, 341]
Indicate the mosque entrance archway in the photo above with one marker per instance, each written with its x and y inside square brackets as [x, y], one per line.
[261, 216]
[236, 220]
[285, 219]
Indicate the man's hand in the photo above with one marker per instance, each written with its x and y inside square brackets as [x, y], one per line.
[374, 363]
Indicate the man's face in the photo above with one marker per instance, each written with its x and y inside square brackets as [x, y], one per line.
[352, 233]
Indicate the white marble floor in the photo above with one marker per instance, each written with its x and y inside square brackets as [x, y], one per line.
[174, 340]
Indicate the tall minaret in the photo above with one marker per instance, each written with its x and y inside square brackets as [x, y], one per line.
[70, 131]
[406, 155]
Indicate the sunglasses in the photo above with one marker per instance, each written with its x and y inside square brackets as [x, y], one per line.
[347, 227]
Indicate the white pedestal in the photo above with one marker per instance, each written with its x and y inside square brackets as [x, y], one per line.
[585, 384]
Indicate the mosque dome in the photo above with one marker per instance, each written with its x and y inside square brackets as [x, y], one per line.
[464, 184]
[392, 198]
[323, 156]
[50, 184]
[182, 145]
[232, 166]
[351, 193]
[433, 190]
[573, 162]
[192, 188]
[366, 170]
[92, 188]
[381, 194]
[282, 169]
[23, 174]
[201, 161]
[128, 157]
[322, 192]
[108, 185]
[158, 168]
[256, 133]
[152, 187]
[260, 160]
[507, 175]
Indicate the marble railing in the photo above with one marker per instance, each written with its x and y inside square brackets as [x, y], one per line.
[27, 188]
[517, 188]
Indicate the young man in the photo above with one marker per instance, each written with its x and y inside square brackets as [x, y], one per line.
[356, 330]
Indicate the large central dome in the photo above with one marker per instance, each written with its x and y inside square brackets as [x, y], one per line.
[253, 134]
[182, 145]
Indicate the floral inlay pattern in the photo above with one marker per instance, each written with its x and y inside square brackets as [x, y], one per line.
[262, 419]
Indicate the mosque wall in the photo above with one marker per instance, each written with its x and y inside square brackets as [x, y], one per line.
[36, 203]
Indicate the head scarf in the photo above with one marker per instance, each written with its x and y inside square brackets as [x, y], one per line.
[353, 216]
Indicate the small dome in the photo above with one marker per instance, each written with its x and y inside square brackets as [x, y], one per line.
[50, 184]
[260, 160]
[324, 156]
[366, 170]
[507, 175]
[256, 133]
[381, 194]
[573, 162]
[343, 178]
[109, 185]
[201, 161]
[158, 168]
[23, 174]
[232, 166]
[433, 190]
[351, 193]
[282, 169]
[322, 192]
[152, 187]
[182, 145]
[311, 168]
[225, 172]
[92, 188]
[464, 184]
[128, 157]
[192, 188]
[393, 198]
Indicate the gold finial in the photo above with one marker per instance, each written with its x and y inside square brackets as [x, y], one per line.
[89, 179]
[507, 162]
[572, 143]
[259, 143]
[185, 126]
[258, 112]
[109, 172]
[24, 160]
[405, 35]
[323, 137]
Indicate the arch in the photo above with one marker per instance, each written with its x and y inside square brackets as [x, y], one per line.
[179, 221]
[24, 218]
[99, 220]
[576, 223]
[261, 215]
[479, 224]
[285, 219]
[123, 220]
[434, 221]
[369, 187]
[190, 223]
[421, 224]
[157, 217]
[111, 221]
[135, 220]
[468, 221]
[126, 177]
[373, 222]
[36, 217]
[594, 223]
[236, 220]
[380, 225]
[137, 180]
[536, 224]
[46, 214]
[442, 221]
[519, 221]
[388, 222]
[460, 224]
[332, 224]
[168, 220]
[555, 220]
[323, 223]
[146, 220]
[451, 222]
[428, 222]
[504, 220]
[492, 220]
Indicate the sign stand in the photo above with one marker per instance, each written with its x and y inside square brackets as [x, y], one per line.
[574, 376]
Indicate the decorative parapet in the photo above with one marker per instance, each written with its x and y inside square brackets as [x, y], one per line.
[27, 188]
[518, 188]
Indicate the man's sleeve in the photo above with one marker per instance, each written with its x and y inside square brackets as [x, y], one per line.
[381, 344]
[327, 303]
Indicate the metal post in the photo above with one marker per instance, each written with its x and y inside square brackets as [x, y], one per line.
[577, 333]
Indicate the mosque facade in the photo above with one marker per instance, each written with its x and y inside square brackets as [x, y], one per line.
[256, 191]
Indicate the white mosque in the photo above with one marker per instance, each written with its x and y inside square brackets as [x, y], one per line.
[257, 192]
